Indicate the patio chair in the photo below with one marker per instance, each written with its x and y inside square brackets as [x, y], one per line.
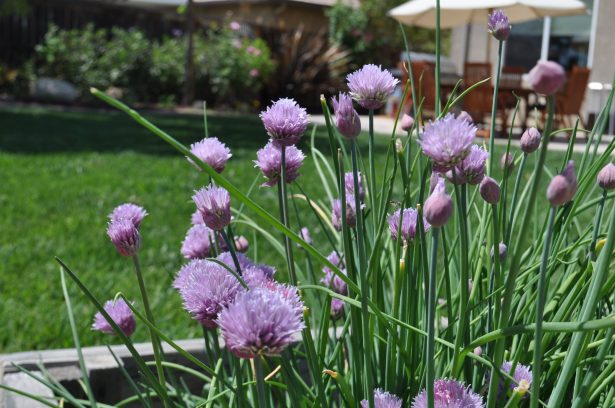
[569, 100]
[478, 102]
[425, 83]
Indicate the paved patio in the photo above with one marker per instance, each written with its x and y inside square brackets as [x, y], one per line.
[385, 124]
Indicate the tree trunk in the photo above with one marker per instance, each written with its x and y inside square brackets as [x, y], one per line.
[188, 92]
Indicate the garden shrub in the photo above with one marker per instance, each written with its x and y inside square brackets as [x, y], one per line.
[230, 66]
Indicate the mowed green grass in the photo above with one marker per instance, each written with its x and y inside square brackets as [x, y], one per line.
[63, 172]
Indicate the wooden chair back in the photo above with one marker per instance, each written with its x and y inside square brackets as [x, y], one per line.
[570, 99]
[478, 101]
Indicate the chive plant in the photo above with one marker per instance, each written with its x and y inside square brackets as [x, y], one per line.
[410, 296]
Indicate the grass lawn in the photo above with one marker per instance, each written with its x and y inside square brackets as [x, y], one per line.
[63, 172]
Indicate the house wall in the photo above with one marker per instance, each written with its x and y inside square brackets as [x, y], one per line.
[279, 16]
[603, 66]
[482, 47]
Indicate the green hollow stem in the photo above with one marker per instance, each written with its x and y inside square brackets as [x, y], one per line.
[431, 317]
[464, 277]
[367, 340]
[599, 212]
[513, 202]
[581, 398]
[150, 317]
[540, 307]
[284, 213]
[263, 400]
[372, 168]
[230, 243]
[241, 390]
[306, 333]
[494, 106]
[515, 263]
[77, 343]
[495, 270]
[438, 51]
[587, 311]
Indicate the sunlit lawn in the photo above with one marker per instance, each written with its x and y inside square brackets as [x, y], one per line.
[62, 173]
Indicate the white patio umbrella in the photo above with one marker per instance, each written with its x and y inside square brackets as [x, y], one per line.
[454, 13]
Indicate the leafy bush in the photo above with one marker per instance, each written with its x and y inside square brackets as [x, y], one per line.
[235, 67]
[228, 66]
[371, 35]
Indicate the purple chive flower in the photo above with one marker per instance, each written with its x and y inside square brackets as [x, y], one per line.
[337, 308]
[563, 187]
[383, 399]
[305, 235]
[409, 219]
[371, 86]
[334, 282]
[205, 288]
[227, 258]
[335, 259]
[198, 242]
[125, 236]
[285, 122]
[530, 140]
[547, 77]
[214, 204]
[606, 177]
[407, 122]
[449, 394]
[269, 161]
[498, 25]
[438, 207]
[130, 212]
[258, 275]
[349, 185]
[471, 169]
[196, 218]
[447, 141]
[120, 313]
[351, 213]
[490, 190]
[261, 321]
[212, 152]
[522, 377]
[346, 117]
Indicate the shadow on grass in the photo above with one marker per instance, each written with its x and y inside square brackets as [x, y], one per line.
[42, 131]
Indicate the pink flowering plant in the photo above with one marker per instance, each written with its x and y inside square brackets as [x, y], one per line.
[403, 300]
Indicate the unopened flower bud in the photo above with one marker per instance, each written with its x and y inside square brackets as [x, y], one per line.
[530, 140]
[214, 204]
[490, 190]
[125, 236]
[503, 249]
[478, 351]
[606, 177]
[563, 187]
[407, 122]
[507, 163]
[346, 117]
[498, 25]
[438, 207]
[242, 244]
[547, 77]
